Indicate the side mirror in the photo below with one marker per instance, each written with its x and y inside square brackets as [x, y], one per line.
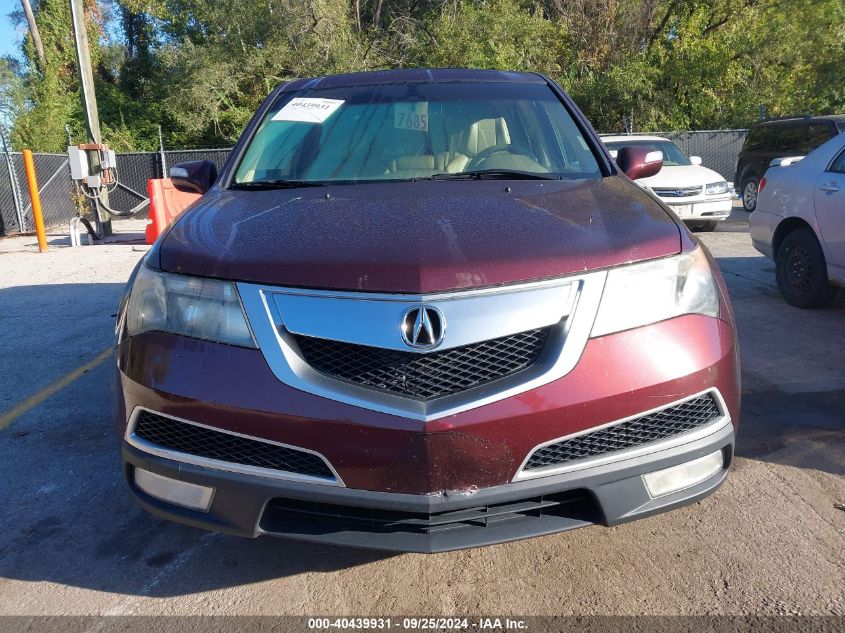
[695, 160]
[195, 175]
[639, 162]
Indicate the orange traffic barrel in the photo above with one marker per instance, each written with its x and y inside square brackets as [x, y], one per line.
[166, 203]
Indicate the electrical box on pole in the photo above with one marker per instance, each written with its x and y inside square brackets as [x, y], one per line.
[89, 107]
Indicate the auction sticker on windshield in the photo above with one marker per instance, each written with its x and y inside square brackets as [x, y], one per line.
[411, 116]
[308, 110]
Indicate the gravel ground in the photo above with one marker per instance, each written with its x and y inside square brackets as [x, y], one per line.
[770, 541]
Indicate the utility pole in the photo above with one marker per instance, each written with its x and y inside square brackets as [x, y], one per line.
[89, 102]
[35, 34]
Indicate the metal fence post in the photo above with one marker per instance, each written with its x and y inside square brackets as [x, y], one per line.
[161, 152]
[13, 182]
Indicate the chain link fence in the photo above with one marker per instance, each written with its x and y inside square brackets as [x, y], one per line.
[134, 169]
[60, 197]
[718, 149]
[54, 186]
[9, 199]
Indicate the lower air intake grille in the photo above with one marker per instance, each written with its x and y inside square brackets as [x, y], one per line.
[424, 376]
[290, 515]
[660, 425]
[199, 441]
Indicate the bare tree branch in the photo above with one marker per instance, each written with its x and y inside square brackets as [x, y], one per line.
[713, 23]
[377, 15]
[670, 11]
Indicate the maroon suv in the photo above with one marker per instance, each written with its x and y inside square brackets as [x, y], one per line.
[423, 310]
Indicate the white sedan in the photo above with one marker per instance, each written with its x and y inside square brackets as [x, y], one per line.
[800, 223]
[698, 195]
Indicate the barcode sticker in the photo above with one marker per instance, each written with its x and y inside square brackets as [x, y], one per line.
[306, 110]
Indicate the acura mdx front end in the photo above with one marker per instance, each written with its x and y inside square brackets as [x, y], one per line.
[420, 311]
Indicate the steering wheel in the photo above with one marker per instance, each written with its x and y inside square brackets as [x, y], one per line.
[499, 148]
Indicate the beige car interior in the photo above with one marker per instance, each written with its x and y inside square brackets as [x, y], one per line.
[463, 147]
[481, 135]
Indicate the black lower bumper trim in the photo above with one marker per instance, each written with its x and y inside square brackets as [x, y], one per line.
[564, 510]
[609, 494]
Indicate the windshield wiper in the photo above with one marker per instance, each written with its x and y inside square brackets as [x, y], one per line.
[276, 184]
[494, 174]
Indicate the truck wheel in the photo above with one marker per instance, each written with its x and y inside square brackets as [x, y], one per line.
[749, 193]
[802, 272]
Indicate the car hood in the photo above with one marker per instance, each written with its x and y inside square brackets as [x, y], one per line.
[682, 176]
[418, 237]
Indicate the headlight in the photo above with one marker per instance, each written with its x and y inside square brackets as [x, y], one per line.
[191, 306]
[639, 294]
[716, 187]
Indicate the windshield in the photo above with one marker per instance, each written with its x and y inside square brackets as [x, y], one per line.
[672, 154]
[413, 131]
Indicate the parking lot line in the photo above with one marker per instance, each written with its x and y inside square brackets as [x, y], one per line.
[7, 418]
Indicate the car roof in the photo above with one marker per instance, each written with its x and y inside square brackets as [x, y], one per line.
[413, 75]
[616, 138]
[836, 118]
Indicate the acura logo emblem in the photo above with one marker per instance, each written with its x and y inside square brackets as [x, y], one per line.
[423, 327]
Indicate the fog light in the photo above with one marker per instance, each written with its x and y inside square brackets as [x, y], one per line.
[181, 493]
[668, 480]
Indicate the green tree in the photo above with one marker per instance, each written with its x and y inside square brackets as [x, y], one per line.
[199, 68]
[501, 34]
[221, 65]
[11, 91]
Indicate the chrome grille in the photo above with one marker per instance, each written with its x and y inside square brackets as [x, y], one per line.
[676, 192]
[424, 376]
[183, 437]
[653, 427]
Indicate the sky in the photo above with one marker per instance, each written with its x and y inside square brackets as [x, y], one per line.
[10, 39]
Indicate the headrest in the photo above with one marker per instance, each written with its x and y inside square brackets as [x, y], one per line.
[487, 133]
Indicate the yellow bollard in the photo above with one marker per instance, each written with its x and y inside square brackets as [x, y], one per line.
[29, 165]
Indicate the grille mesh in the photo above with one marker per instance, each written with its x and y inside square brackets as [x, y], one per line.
[656, 426]
[202, 442]
[424, 376]
[676, 192]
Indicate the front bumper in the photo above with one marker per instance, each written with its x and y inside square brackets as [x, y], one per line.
[468, 462]
[617, 376]
[701, 208]
[608, 494]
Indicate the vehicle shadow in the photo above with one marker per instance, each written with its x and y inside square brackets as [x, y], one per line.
[804, 430]
[793, 380]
